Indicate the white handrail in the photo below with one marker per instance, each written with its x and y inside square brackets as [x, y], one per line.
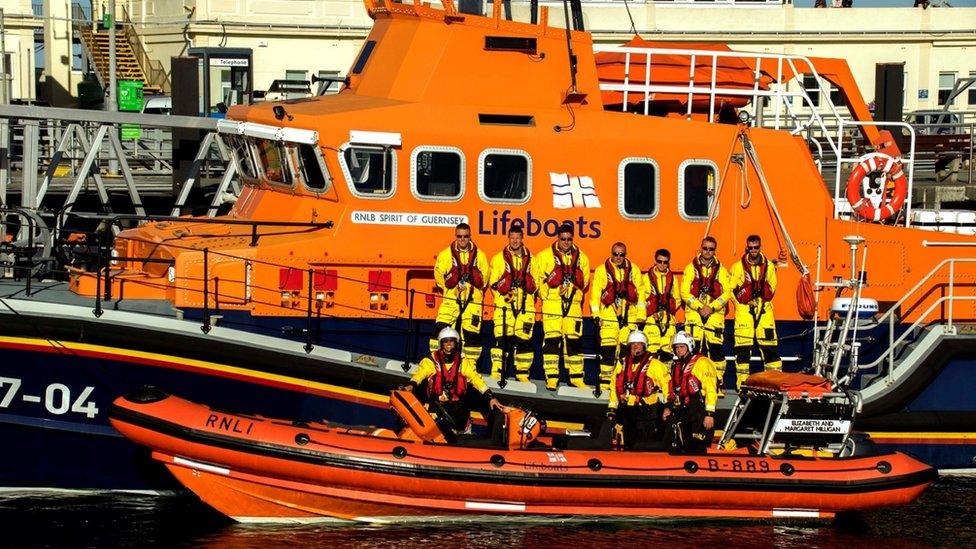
[889, 315]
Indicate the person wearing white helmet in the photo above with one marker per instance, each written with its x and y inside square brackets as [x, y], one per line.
[448, 376]
[692, 397]
[637, 393]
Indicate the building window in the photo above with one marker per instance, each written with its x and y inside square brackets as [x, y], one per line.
[504, 175]
[812, 87]
[696, 188]
[837, 96]
[638, 188]
[371, 171]
[438, 173]
[972, 88]
[328, 85]
[946, 81]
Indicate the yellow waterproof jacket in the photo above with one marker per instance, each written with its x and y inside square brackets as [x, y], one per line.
[653, 283]
[547, 264]
[688, 280]
[444, 264]
[737, 277]
[601, 279]
[499, 267]
[704, 370]
[657, 372]
[427, 369]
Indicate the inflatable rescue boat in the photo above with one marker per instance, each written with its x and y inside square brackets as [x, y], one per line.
[257, 469]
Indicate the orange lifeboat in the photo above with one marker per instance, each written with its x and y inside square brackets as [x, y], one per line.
[258, 469]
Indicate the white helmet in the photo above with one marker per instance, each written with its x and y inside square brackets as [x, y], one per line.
[637, 336]
[682, 338]
[448, 333]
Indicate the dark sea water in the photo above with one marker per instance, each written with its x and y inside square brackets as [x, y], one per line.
[942, 517]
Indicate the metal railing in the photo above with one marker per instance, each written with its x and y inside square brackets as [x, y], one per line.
[156, 74]
[947, 319]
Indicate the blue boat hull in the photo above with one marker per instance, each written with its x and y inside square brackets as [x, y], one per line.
[55, 418]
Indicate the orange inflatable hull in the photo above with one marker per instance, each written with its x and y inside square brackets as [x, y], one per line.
[258, 469]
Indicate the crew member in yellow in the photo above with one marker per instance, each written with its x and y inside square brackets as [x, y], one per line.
[449, 376]
[513, 281]
[753, 280]
[706, 293]
[564, 272]
[614, 305]
[461, 272]
[638, 392]
[692, 397]
[661, 292]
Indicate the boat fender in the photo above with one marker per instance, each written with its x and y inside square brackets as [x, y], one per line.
[877, 187]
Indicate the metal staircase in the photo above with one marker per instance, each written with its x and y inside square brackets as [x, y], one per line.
[131, 60]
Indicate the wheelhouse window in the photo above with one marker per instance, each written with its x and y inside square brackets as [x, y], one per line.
[273, 160]
[370, 170]
[311, 168]
[638, 188]
[244, 156]
[696, 188]
[505, 175]
[438, 173]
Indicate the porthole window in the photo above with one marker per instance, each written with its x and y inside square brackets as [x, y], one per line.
[437, 173]
[370, 171]
[505, 175]
[696, 188]
[638, 184]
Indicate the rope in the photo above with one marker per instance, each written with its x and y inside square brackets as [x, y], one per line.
[794, 254]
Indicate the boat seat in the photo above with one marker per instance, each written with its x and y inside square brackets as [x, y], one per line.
[415, 416]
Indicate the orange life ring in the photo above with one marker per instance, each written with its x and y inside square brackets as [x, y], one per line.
[877, 187]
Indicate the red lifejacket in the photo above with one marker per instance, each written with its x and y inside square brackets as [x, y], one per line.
[566, 272]
[443, 381]
[684, 385]
[464, 272]
[661, 300]
[618, 289]
[703, 286]
[752, 289]
[516, 278]
[638, 383]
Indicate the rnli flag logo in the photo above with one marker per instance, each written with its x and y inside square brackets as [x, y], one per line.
[573, 192]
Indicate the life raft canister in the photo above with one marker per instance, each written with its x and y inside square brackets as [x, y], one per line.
[877, 197]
